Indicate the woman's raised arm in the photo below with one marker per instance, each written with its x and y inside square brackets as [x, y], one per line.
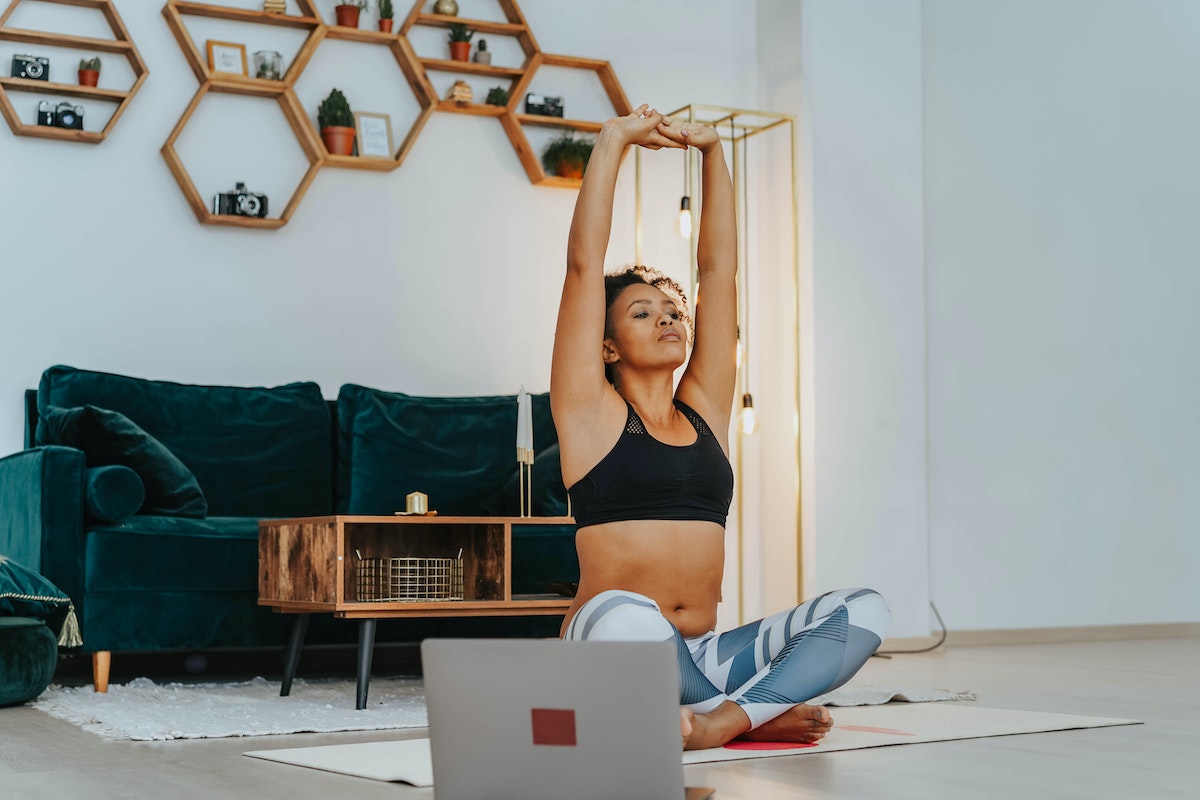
[711, 375]
[577, 381]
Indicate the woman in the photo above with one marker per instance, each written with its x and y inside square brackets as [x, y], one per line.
[648, 469]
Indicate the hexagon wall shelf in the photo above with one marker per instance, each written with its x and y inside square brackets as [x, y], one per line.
[121, 44]
[414, 68]
[292, 112]
[514, 122]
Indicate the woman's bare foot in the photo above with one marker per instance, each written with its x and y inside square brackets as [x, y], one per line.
[801, 724]
[717, 727]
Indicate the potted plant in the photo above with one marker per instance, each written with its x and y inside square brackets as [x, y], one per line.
[482, 56]
[460, 41]
[347, 11]
[567, 156]
[497, 96]
[386, 13]
[89, 71]
[337, 124]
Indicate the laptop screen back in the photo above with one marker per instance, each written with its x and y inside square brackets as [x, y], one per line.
[548, 719]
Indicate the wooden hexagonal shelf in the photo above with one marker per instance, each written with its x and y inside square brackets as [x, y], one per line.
[514, 27]
[514, 122]
[421, 89]
[175, 10]
[121, 44]
[292, 112]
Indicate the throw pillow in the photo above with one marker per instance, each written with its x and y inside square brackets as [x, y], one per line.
[25, 593]
[108, 437]
[112, 494]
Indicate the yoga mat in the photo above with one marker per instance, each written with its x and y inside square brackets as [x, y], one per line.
[408, 760]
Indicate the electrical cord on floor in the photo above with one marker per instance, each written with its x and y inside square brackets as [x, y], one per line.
[941, 640]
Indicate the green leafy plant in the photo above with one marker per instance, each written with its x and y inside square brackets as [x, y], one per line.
[482, 45]
[497, 96]
[385, 9]
[460, 32]
[567, 153]
[334, 111]
[90, 63]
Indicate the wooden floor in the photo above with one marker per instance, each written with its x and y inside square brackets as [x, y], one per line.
[1152, 680]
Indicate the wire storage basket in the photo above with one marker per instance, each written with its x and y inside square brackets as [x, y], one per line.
[391, 580]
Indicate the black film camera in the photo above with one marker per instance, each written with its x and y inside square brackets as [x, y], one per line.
[63, 115]
[240, 202]
[546, 106]
[33, 67]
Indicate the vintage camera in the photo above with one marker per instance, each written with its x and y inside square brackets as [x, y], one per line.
[35, 68]
[546, 106]
[64, 115]
[240, 202]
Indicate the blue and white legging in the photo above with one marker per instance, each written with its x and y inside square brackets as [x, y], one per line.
[766, 667]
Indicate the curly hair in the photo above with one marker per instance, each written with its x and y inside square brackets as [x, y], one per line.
[617, 282]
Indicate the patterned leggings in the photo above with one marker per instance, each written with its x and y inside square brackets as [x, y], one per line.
[766, 667]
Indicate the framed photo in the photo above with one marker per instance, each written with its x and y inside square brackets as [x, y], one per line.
[374, 134]
[228, 57]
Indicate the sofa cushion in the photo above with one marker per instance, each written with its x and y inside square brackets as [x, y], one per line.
[256, 451]
[458, 450]
[109, 437]
[162, 554]
[25, 593]
[112, 494]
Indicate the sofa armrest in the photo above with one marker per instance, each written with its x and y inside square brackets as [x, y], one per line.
[41, 514]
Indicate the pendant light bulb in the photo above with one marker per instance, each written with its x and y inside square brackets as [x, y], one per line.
[747, 419]
[685, 217]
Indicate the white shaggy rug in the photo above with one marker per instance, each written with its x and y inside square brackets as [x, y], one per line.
[145, 711]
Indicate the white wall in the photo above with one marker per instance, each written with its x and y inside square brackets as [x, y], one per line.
[1062, 190]
[863, 312]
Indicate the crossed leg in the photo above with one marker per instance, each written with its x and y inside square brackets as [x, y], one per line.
[752, 682]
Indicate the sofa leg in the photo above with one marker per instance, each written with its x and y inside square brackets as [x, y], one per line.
[101, 660]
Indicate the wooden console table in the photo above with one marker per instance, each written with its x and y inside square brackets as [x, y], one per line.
[307, 566]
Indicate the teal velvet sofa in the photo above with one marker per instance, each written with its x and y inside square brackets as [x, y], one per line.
[141, 499]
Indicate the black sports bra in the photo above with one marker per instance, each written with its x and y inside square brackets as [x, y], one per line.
[643, 478]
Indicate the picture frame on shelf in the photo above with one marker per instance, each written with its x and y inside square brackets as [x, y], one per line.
[374, 134]
[227, 57]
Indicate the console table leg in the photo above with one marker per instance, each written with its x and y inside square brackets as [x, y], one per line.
[299, 628]
[366, 650]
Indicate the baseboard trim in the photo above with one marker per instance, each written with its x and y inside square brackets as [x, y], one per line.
[1089, 633]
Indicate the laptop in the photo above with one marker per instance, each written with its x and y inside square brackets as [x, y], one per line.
[543, 719]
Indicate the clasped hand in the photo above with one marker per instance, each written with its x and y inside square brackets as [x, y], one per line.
[647, 128]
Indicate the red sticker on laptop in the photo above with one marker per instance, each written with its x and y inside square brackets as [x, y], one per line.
[554, 726]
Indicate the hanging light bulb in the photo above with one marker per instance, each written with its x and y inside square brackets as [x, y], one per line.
[747, 417]
[685, 217]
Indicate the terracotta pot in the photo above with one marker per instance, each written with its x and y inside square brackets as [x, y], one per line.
[566, 169]
[89, 77]
[460, 51]
[339, 140]
[385, 25]
[347, 16]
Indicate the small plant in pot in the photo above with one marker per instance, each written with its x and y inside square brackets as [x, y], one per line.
[346, 12]
[337, 124]
[497, 96]
[567, 156]
[386, 14]
[460, 41]
[89, 71]
[482, 54]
